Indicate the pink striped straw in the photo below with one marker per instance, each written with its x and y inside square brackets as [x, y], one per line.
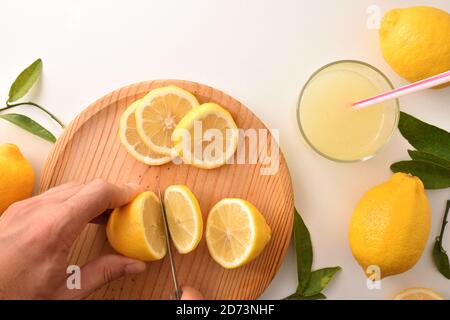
[410, 88]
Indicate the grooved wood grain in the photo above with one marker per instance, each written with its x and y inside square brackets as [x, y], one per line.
[89, 148]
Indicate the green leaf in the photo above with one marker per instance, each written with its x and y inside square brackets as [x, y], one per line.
[304, 252]
[441, 259]
[26, 79]
[432, 175]
[425, 137]
[29, 125]
[424, 156]
[298, 296]
[319, 280]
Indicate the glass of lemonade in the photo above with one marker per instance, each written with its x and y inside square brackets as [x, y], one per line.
[328, 122]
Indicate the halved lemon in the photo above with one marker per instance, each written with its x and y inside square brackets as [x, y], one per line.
[206, 137]
[236, 232]
[158, 115]
[418, 294]
[137, 229]
[184, 217]
[131, 140]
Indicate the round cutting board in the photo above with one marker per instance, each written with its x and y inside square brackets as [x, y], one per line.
[89, 148]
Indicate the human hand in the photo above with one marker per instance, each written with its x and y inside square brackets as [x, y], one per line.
[190, 293]
[36, 235]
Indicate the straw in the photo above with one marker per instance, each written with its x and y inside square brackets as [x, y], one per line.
[410, 88]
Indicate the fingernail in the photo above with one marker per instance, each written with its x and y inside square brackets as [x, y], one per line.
[135, 267]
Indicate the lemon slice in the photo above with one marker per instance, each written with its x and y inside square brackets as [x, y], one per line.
[206, 137]
[158, 115]
[130, 139]
[418, 294]
[236, 232]
[184, 218]
[137, 230]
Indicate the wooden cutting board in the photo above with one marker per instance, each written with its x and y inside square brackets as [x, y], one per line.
[89, 148]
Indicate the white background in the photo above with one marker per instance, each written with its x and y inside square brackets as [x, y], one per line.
[260, 52]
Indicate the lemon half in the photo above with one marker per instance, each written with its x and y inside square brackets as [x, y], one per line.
[236, 232]
[137, 230]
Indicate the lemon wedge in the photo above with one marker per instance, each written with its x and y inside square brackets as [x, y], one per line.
[131, 140]
[418, 294]
[206, 137]
[159, 113]
[236, 232]
[137, 230]
[184, 218]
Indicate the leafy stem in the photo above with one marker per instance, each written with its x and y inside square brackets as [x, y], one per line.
[10, 106]
[440, 257]
[310, 283]
[20, 87]
[444, 223]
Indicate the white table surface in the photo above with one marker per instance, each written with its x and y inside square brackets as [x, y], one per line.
[260, 52]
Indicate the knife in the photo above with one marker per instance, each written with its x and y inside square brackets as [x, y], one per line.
[178, 292]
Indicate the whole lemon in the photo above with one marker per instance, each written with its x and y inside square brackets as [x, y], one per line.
[390, 225]
[415, 41]
[17, 176]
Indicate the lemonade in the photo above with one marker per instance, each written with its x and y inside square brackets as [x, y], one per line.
[329, 123]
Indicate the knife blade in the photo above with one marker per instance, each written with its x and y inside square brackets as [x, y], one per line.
[177, 293]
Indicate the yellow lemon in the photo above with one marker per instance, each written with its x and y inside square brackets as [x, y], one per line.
[416, 41]
[390, 225]
[206, 137]
[418, 294]
[137, 229]
[236, 232]
[184, 217]
[159, 113]
[131, 140]
[17, 176]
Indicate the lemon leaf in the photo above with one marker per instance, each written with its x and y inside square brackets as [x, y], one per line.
[26, 79]
[29, 125]
[432, 175]
[298, 296]
[310, 284]
[304, 252]
[441, 259]
[425, 156]
[425, 137]
[319, 280]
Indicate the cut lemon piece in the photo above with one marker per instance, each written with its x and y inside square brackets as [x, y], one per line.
[131, 140]
[184, 218]
[236, 232]
[418, 294]
[137, 229]
[206, 137]
[158, 115]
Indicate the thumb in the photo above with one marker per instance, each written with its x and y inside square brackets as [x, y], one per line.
[102, 270]
[190, 293]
